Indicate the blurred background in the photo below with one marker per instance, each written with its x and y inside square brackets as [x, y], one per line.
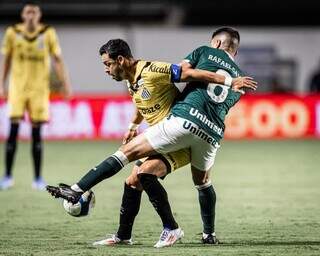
[279, 43]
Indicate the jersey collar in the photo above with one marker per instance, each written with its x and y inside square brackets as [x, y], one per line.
[141, 64]
[230, 56]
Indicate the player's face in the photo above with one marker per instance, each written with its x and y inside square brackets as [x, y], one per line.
[31, 14]
[112, 67]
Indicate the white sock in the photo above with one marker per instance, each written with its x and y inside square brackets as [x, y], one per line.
[121, 157]
[76, 188]
[204, 235]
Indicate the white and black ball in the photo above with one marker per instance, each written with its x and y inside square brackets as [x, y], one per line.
[83, 207]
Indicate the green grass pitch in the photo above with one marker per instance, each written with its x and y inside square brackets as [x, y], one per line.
[268, 203]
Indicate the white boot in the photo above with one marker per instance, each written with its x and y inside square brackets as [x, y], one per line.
[169, 237]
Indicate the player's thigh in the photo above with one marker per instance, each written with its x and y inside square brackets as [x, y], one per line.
[177, 159]
[137, 148]
[168, 135]
[203, 154]
[38, 107]
[17, 106]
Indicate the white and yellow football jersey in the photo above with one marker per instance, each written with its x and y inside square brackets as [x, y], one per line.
[154, 93]
[30, 69]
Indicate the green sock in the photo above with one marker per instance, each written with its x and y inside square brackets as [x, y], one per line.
[104, 170]
[207, 201]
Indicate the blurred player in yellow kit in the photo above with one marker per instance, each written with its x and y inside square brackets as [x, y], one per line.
[27, 48]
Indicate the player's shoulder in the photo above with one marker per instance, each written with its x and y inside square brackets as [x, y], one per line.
[14, 28]
[46, 28]
[203, 48]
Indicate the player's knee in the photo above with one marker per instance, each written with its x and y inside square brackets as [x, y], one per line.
[137, 148]
[15, 120]
[130, 151]
[36, 124]
[203, 185]
[36, 134]
[200, 178]
[155, 167]
[14, 129]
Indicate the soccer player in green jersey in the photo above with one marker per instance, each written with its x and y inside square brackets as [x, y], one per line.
[196, 122]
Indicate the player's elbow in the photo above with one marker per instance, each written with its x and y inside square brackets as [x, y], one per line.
[57, 59]
[187, 75]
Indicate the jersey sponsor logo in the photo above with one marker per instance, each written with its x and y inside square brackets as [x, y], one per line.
[200, 133]
[32, 58]
[145, 94]
[204, 119]
[157, 69]
[150, 110]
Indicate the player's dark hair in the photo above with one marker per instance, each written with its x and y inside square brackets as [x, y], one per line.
[234, 34]
[29, 2]
[116, 47]
[232, 40]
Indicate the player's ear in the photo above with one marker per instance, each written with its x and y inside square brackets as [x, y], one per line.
[216, 43]
[219, 43]
[120, 59]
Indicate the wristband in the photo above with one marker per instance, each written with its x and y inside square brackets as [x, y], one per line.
[228, 81]
[133, 127]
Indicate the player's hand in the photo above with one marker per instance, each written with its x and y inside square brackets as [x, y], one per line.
[2, 93]
[67, 92]
[243, 82]
[129, 135]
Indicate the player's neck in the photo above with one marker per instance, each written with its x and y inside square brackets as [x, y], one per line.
[31, 27]
[131, 72]
[231, 56]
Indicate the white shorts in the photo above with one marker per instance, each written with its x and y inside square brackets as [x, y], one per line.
[174, 133]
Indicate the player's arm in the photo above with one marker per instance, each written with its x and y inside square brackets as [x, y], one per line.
[4, 71]
[62, 74]
[6, 50]
[189, 74]
[133, 126]
[58, 63]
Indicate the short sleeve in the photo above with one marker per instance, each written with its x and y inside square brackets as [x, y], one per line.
[54, 46]
[7, 42]
[194, 56]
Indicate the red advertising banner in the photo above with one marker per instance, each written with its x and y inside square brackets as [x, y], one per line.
[107, 117]
[274, 116]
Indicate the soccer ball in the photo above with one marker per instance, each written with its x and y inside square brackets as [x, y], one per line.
[83, 207]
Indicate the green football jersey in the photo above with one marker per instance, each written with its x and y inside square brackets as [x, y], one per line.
[207, 104]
